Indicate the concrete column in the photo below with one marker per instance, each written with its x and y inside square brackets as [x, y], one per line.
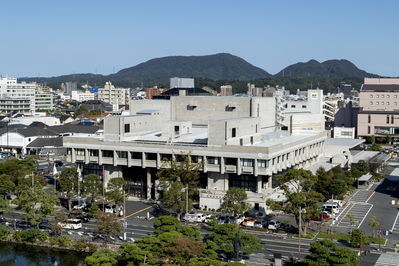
[86, 156]
[222, 165]
[238, 166]
[149, 184]
[100, 157]
[205, 165]
[73, 155]
[256, 167]
[158, 160]
[115, 158]
[129, 159]
[226, 182]
[259, 184]
[143, 164]
[270, 181]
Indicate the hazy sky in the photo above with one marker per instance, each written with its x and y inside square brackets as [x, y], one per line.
[52, 38]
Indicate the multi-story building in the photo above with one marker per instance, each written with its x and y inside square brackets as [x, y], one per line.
[226, 90]
[114, 96]
[14, 95]
[181, 83]
[70, 87]
[151, 92]
[44, 101]
[82, 96]
[379, 110]
[234, 136]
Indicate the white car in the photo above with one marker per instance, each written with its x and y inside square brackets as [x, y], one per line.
[208, 217]
[200, 217]
[274, 225]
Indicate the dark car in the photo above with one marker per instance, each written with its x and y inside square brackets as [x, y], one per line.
[81, 216]
[87, 207]
[49, 179]
[23, 225]
[58, 163]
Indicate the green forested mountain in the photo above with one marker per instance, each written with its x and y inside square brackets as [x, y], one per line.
[222, 69]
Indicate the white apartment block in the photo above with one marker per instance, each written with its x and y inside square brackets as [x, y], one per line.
[17, 93]
[235, 137]
[82, 96]
[114, 96]
[44, 101]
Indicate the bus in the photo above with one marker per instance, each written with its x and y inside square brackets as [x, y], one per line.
[71, 224]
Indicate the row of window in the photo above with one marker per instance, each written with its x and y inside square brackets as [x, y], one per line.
[382, 103]
[382, 96]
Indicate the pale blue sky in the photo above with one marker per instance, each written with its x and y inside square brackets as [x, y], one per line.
[51, 38]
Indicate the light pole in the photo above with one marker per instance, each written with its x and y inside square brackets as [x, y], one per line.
[299, 233]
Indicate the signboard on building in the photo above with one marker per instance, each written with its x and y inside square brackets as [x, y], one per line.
[313, 96]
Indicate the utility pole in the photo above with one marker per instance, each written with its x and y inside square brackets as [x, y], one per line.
[361, 244]
[379, 239]
[332, 218]
[48, 162]
[187, 204]
[124, 217]
[299, 227]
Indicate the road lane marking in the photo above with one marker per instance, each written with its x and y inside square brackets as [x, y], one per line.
[139, 211]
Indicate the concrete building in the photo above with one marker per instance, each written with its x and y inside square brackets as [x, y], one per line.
[379, 110]
[226, 90]
[114, 96]
[14, 95]
[82, 96]
[151, 92]
[181, 83]
[235, 137]
[44, 101]
[70, 87]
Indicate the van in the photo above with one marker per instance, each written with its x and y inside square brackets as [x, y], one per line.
[327, 208]
[337, 202]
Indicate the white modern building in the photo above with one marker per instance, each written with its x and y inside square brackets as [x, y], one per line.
[82, 96]
[235, 137]
[114, 96]
[18, 93]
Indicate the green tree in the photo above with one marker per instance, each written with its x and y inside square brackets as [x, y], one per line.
[107, 225]
[223, 235]
[191, 232]
[204, 262]
[355, 238]
[234, 202]
[373, 224]
[389, 139]
[165, 224]
[183, 168]
[104, 257]
[82, 110]
[37, 203]
[352, 221]
[92, 187]
[298, 186]
[175, 198]
[69, 183]
[135, 256]
[326, 253]
[115, 191]
[94, 209]
[6, 186]
[323, 181]
[375, 147]
[372, 139]
[362, 166]
[183, 249]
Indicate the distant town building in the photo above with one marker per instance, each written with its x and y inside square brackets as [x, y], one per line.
[44, 101]
[82, 96]
[70, 87]
[113, 96]
[226, 90]
[181, 83]
[151, 92]
[15, 95]
[346, 89]
[379, 111]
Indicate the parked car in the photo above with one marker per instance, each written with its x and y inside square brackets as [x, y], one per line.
[274, 225]
[322, 215]
[49, 179]
[338, 202]
[200, 217]
[249, 221]
[258, 224]
[83, 217]
[222, 219]
[208, 217]
[331, 208]
[58, 163]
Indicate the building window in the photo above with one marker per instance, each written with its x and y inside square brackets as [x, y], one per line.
[369, 119]
[382, 103]
[377, 103]
[387, 119]
[304, 106]
[233, 132]
[378, 96]
[387, 95]
[392, 117]
[293, 106]
[127, 128]
[263, 163]
[395, 103]
[382, 96]
[247, 162]
[387, 103]
[371, 95]
[368, 130]
[213, 160]
[395, 96]
[371, 103]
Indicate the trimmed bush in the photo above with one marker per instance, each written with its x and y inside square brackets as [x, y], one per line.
[4, 232]
[64, 241]
[17, 236]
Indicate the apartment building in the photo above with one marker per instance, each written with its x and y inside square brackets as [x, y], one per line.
[234, 136]
[378, 107]
[44, 101]
[14, 96]
[112, 95]
[82, 96]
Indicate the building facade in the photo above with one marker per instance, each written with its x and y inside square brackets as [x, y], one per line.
[44, 101]
[14, 95]
[378, 107]
[234, 137]
[82, 96]
[112, 95]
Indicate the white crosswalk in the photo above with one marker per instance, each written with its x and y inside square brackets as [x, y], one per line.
[387, 260]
